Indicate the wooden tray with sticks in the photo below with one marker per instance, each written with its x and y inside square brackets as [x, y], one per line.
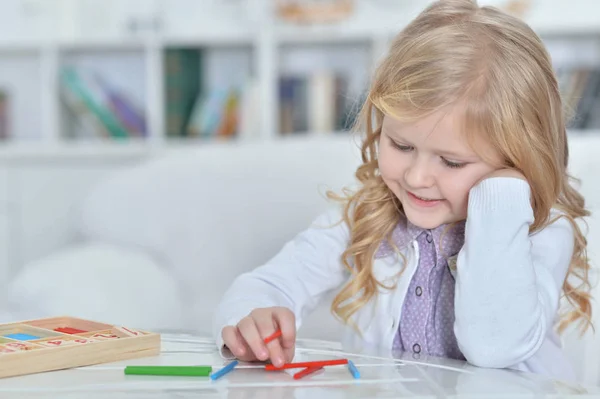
[57, 343]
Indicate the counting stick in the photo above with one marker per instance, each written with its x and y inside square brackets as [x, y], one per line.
[188, 371]
[127, 331]
[273, 336]
[306, 371]
[322, 363]
[353, 370]
[220, 373]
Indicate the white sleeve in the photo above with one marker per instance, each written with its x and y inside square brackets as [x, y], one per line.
[508, 282]
[298, 277]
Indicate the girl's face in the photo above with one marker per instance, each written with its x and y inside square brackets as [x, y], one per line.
[430, 167]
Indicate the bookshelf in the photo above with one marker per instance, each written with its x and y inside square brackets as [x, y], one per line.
[238, 53]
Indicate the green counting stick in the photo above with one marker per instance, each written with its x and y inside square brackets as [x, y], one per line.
[186, 371]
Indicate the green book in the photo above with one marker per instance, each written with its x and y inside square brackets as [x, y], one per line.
[182, 87]
[72, 81]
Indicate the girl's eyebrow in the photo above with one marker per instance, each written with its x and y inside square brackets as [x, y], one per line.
[399, 140]
[451, 154]
[396, 136]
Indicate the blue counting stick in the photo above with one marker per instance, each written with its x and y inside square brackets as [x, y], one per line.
[353, 370]
[223, 371]
[21, 337]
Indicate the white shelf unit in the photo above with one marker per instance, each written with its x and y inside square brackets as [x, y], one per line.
[241, 39]
[26, 95]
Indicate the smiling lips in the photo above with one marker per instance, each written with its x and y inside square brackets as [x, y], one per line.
[423, 202]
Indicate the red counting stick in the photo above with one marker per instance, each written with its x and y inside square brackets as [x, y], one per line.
[305, 372]
[273, 336]
[322, 363]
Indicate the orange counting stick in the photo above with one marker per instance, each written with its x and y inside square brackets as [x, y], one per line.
[305, 372]
[273, 336]
[322, 363]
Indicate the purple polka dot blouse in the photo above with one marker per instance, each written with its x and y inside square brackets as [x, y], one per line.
[427, 321]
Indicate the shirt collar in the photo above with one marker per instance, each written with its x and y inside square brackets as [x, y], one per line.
[405, 232]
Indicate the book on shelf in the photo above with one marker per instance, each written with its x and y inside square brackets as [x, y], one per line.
[94, 108]
[182, 87]
[318, 102]
[224, 113]
[126, 112]
[4, 114]
[195, 110]
[580, 88]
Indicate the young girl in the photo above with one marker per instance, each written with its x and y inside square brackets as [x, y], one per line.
[462, 235]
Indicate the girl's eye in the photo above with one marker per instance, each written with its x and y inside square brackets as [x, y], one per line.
[404, 148]
[454, 165]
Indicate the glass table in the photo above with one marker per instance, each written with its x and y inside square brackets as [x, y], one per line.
[381, 376]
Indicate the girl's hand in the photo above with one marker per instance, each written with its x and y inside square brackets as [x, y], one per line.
[246, 340]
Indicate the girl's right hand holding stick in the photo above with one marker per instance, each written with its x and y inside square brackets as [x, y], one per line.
[246, 340]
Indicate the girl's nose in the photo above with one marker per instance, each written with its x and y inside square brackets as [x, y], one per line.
[418, 175]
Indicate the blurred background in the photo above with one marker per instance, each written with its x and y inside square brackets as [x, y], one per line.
[136, 72]
[151, 150]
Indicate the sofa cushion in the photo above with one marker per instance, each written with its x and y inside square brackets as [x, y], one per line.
[101, 282]
[209, 214]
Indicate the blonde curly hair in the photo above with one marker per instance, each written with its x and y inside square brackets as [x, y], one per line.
[456, 51]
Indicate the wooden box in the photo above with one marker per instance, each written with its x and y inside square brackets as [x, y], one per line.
[57, 343]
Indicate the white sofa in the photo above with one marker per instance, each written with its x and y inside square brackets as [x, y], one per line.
[159, 242]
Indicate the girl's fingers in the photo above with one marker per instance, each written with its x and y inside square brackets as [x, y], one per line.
[249, 332]
[247, 340]
[275, 351]
[286, 322]
[233, 340]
